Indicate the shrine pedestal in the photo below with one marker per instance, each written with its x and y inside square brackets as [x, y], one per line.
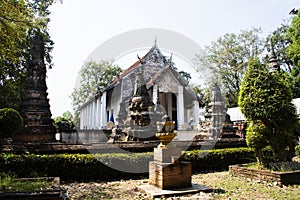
[167, 171]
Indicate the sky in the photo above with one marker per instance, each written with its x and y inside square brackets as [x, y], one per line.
[78, 27]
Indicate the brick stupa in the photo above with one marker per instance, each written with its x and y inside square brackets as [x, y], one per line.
[35, 107]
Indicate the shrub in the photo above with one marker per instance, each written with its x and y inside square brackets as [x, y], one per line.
[265, 98]
[218, 159]
[65, 123]
[11, 122]
[74, 166]
[256, 138]
[297, 150]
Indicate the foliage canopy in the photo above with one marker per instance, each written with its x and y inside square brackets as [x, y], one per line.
[95, 77]
[11, 122]
[265, 99]
[228, 57]
[19, 20]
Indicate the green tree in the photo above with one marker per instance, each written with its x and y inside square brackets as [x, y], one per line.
[265, 98]
[293, 53]
[11, 122]
[94, 78]
[19, 20]
[229, 56]
[281, 40]
[294, 34]
[65, 123]
[256, 138]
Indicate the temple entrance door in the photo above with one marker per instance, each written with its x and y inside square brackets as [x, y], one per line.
[169, 102]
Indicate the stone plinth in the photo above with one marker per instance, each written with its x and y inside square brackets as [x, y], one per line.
[167, 172]
[165, 155]
[170, 175]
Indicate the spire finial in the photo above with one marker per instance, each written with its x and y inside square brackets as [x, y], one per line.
[155, 41]
[272, 58]
[171, 57]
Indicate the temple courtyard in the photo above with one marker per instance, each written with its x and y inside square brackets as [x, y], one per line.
[222, 184]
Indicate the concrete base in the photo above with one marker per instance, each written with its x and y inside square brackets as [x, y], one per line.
[170, 175]
[154, 192]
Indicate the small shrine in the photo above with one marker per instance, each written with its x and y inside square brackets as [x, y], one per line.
[35, 107]
[168, 174]
[167, 171]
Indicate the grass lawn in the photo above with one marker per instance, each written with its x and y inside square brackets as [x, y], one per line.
[230, 187]
[11, 184]
[224, 185]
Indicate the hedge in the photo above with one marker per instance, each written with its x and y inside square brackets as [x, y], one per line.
[95, 166]
[218, 159]
[76, 166]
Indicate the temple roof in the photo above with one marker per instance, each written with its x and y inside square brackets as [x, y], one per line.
[154, 57]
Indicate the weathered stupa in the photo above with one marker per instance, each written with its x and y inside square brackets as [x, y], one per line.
[35, 107]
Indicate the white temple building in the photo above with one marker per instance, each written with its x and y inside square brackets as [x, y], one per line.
[163, 83]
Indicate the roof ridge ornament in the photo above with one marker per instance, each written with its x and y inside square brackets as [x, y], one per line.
[170, 61]
[140, 59]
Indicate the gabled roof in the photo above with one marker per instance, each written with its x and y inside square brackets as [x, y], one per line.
[153, 57]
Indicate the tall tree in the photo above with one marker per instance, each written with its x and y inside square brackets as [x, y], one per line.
[18, 20]
[265, 100]
[94, 78]
[293, 53]
[294, 33]
[228, 57]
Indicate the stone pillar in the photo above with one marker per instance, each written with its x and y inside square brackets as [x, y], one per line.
[154, 93]
[169, 103]
[195, 114]
[98, 112]
[86, 117]
[180, 108]
[89, 116]
[188, 115]
[103, 110]
[81, 116]
[93, 114]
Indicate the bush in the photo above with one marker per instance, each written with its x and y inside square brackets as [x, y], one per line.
[74, 166]
[218, 159]
[297, 150]
[11, 122]
[94, 166]
[65, 123]
[265, 98]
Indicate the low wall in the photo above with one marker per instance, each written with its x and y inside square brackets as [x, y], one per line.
[286, 178]
[84, 137]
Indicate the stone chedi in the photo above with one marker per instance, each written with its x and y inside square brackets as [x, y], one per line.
[215, 115]
[141, 119]
[35, 108]
[140, 104]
